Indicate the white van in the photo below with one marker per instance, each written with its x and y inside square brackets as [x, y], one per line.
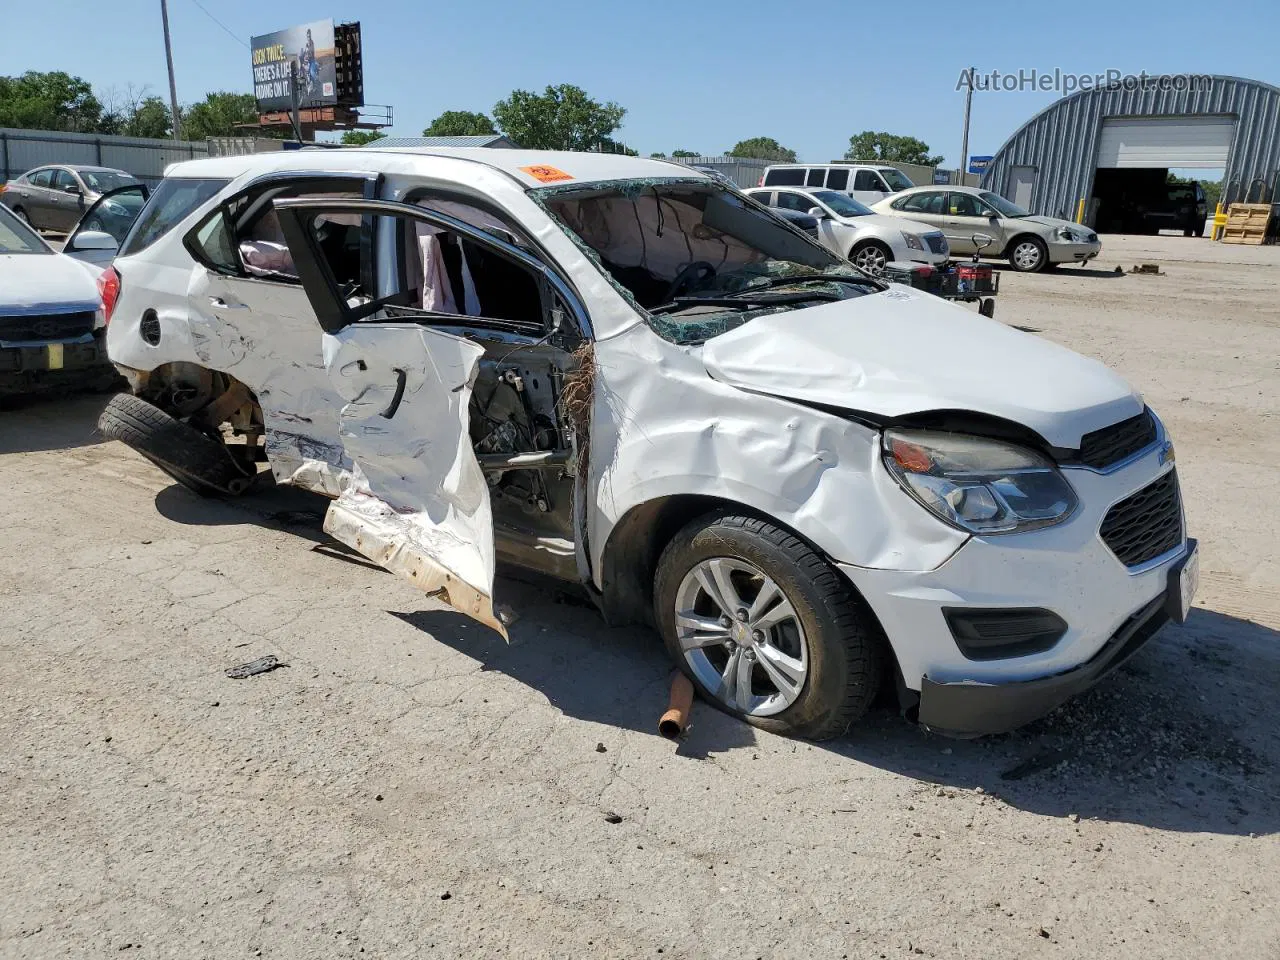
[869, 183]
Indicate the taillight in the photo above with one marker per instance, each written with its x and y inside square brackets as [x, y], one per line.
[109, 290]
[761, 183]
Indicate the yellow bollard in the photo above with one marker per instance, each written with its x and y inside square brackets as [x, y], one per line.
[1080, 211]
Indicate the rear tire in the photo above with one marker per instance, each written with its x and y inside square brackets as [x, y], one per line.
[827, 638]
[198, 462]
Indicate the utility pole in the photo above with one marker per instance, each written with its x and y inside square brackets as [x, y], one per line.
[964, 141]
[173, 86]
[294, 117]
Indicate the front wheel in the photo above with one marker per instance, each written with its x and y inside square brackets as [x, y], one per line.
[871, 257]
[767, 629]
[1029, 255]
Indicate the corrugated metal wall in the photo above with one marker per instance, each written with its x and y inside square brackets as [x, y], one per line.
[1061, 142]
[741, 170]
[20, 150]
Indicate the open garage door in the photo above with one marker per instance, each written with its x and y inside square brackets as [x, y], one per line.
[1178, 142]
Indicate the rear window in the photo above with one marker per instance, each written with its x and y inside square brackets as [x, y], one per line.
[173, 200]
[788, 177]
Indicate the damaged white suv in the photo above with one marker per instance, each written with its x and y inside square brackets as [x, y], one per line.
[620, 373]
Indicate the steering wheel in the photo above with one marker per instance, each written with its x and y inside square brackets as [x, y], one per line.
[695, 273]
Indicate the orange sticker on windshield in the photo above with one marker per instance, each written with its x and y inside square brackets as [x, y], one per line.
[544, 174]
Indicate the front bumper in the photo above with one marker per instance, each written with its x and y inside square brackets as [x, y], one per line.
[28, 365]
[969, 709]
[1074, 252]
[1067, 571]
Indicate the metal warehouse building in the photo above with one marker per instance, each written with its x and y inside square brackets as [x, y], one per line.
[1096, 143]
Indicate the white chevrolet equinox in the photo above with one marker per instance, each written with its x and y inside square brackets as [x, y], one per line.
[620, 373]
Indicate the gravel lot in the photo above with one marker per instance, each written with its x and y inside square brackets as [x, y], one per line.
[410, 786]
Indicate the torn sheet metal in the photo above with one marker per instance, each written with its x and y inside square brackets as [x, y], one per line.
[265, 335]
[417, 503]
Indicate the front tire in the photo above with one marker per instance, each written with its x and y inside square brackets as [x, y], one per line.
[870, 257]
[766, 628]
[198, 462]
[1029, 255]
[21, 214]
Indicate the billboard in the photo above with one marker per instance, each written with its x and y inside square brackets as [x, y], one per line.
[979, 164]
[311, 47]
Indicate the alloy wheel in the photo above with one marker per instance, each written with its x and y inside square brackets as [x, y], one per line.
[870, 259]
[1026, 255]
[741, 636]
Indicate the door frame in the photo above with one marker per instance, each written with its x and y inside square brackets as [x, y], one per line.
[333, 313]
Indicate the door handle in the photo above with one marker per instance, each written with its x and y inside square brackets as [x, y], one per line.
[223, 305]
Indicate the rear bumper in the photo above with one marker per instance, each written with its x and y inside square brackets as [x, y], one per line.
[969, 709]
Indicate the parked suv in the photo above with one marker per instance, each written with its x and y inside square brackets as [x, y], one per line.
[620, 373]
[865, 182]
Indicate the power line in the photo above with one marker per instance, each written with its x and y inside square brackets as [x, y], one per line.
[231, 33]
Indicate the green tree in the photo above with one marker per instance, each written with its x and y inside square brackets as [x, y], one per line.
[219, 114]
[562, 118]
[149, 119]
[685, 153]
[762, 148]
[878, 145]
[358, 138]
[608, 145]
[48, 101]
[460, 123]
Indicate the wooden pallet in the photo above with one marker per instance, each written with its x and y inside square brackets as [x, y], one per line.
[1246, 223]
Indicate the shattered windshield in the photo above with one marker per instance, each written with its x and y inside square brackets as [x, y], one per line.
[698, 259]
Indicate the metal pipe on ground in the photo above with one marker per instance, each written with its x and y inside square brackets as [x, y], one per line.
[676, 720]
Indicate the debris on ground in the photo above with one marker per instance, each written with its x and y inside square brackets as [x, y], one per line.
[675, 721]
[1151, 268]
[265, 664]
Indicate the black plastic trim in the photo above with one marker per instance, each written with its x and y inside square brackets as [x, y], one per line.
[998, 633]
[970, 709]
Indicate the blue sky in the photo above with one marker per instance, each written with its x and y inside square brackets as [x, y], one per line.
[696, 75]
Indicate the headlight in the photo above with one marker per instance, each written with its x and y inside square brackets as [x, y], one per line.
[913, 242]
[979, 485]
[1069, 235]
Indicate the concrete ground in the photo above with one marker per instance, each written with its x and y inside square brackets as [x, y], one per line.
[410, 786]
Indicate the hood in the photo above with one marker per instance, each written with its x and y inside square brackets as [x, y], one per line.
[1055, 222]
[902, 352]
[45, 283]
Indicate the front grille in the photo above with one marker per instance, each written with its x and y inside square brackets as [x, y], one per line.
[1112, 444]
[49, 326]
[1146, 524]
[937, 242]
